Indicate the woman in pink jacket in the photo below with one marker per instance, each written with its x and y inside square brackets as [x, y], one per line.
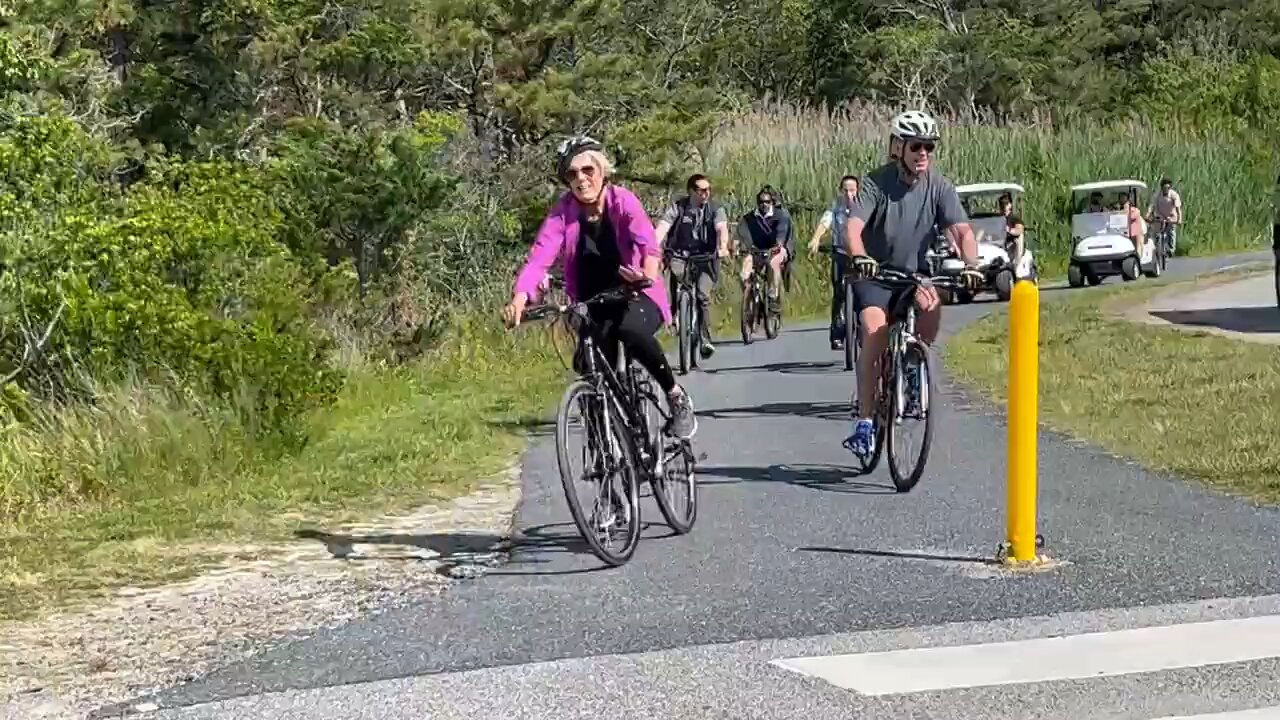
[606, 239]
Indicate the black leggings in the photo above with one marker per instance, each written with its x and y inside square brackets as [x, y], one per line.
[635, 324]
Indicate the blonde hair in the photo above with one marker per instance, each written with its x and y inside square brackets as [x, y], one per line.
[601, 161]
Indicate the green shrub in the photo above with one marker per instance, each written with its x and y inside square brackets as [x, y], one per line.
[182, 279]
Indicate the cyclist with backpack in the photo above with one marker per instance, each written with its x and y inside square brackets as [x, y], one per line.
[697, 225]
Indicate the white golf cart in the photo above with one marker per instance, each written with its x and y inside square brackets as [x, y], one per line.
[981, 202]
[1100, 235]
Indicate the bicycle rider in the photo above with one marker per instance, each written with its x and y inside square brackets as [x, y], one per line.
[768, 227]
[1165, 209]
[834, 220]
[606, 239]
[701, 227]
[892, 222]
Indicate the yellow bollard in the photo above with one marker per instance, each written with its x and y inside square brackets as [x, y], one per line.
[1024, 350]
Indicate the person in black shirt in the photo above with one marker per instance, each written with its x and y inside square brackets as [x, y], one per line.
[696, 225]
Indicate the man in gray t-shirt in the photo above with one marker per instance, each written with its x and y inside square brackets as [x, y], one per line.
[892, 223]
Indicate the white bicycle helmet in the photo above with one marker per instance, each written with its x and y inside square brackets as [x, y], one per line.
[914, 125]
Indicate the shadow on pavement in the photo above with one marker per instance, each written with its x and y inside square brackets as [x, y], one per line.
[790, 368]
[936, 557]
[827, 478]
[1253, 319]
[537, 545]
[444, 547]
[825, 410]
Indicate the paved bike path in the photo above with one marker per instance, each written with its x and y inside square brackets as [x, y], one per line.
[789, 544]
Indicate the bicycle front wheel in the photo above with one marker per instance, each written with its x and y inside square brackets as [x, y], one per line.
[850, 330]
[748, 314]
[685, 324]
[610, 524]
[908, 407]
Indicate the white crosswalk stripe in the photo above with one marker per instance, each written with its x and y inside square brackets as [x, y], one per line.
[1267, 713]
[1069, 657]
[1210, 660]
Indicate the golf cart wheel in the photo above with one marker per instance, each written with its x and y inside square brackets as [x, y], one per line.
[1093, 279]
[1004, 285]
[1129, 268]
[1075, 276]
[964, 297]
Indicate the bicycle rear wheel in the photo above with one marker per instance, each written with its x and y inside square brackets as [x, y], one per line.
[675, 485]
[608, 454]
[906, 476]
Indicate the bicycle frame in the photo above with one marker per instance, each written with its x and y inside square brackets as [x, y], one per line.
[685, 282]
[902, 333]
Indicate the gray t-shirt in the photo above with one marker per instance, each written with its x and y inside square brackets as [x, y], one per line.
[901, 219]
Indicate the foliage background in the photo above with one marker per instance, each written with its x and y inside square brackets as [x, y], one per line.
[222, 222]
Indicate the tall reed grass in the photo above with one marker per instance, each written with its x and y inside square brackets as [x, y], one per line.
[1225, 185]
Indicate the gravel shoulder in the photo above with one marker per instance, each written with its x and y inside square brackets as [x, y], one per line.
[67, 664]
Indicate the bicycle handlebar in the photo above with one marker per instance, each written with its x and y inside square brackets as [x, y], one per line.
[897, 277]
[692, 257]
[618, 294]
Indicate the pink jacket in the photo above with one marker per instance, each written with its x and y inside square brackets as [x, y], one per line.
[559, 234]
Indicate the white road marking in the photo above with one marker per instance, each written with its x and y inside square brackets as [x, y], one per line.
[1070, 657]
[1266, 713]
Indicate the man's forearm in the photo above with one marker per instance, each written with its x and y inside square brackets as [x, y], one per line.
[968, 245]
[853, 237]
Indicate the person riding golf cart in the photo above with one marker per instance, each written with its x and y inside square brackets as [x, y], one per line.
[1104, 235]
[997, 224]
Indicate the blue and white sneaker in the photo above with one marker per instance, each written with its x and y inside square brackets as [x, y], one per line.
[862, 441]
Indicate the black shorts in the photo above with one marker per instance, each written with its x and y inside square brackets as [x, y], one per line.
[869, 293]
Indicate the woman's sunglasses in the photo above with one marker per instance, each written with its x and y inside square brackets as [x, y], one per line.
[916, 147]
[586, 171]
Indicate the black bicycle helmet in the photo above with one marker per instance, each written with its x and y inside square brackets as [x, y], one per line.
[571, 148]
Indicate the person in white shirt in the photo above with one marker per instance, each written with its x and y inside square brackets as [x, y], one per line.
[834, 220]
[1166, 207]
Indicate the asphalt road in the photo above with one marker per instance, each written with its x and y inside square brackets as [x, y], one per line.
[793, 554]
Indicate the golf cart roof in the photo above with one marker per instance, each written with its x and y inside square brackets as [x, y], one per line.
[1108, 185]
[989, 187]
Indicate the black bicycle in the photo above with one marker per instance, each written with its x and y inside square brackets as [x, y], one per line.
[625, 421]
[850, 314]
[757, 307]
[905, 385]
[689, 319]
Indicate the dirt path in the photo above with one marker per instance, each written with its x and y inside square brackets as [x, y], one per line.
[64, 665]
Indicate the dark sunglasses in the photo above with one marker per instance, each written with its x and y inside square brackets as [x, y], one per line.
[587, 171]
[916, 147]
